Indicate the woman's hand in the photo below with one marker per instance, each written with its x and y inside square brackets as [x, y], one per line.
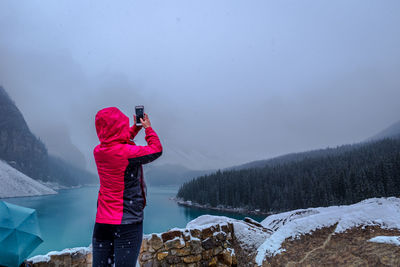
[145, 121]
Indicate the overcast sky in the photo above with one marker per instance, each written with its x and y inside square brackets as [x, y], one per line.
[224, 82]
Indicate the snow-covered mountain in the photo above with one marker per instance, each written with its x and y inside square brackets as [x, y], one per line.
[14, 183]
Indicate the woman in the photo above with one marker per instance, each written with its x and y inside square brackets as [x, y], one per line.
[118, 230]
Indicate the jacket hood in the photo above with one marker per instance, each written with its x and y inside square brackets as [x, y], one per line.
[112, 125]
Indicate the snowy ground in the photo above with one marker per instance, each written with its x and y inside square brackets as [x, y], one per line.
[16, 184]
[382, 212]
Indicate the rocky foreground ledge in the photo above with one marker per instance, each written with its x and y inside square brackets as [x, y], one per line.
[363, 234]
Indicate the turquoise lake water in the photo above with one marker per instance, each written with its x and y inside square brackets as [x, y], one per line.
[66, 220]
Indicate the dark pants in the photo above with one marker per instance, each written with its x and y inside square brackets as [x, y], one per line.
[119, 244]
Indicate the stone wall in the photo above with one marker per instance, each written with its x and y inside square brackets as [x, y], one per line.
[207, 246]
[77, 257]
[227, 244]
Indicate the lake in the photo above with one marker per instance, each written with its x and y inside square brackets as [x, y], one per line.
[66, 219]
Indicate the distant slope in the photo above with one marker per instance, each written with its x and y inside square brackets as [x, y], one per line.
[292, 157]
[58, 142]
[67, 174]
[342, 176]
[390, 132]
[23, 151]
[16, 184]
[171, 174]
[17, 143]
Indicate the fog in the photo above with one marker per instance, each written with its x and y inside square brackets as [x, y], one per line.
[224, 82]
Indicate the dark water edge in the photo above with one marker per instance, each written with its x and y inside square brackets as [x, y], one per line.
[243, 211]
[66, 219]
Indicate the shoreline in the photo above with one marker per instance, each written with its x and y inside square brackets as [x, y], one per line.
[242, 211]
[56, 189]
[25, 196]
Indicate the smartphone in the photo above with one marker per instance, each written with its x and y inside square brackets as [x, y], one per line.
[139, 110]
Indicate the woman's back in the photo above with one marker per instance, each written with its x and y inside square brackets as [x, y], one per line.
[122, 194]
[118, 231]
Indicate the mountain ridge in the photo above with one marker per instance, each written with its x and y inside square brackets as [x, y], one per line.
[20, 148]
[392, 131]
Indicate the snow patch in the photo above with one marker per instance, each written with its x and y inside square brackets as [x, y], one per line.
[392, 240]
[46, 258]
[206, 221]
[39, 258]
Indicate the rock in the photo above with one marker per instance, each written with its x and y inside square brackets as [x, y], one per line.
[89, 258]
[192, 258]
[181, 252]
[234, 260]
[175, 243]
[208, 232]
[63, 259]
[170, 235]
[218, 242]
[78, 257]
[253, 222]
[230, 226]
[208, 243]
[225, 257]
[155, 242]
[225, 228]
[229, 236]
[148, 263]
[205, 233]
[196, 246]
[213, 262]
[217, 250]
[161, 255]
[207, 254]
[195, 233]
[144, 246]
[220, 236]
[146, 256]
[172, 259]
[186, 235]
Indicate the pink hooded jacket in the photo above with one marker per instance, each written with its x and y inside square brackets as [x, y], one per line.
[122, 194]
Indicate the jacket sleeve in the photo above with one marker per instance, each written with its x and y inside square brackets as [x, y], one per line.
[134, 130]
[146, 154]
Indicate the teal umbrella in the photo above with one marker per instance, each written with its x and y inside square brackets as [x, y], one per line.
[19, 233]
